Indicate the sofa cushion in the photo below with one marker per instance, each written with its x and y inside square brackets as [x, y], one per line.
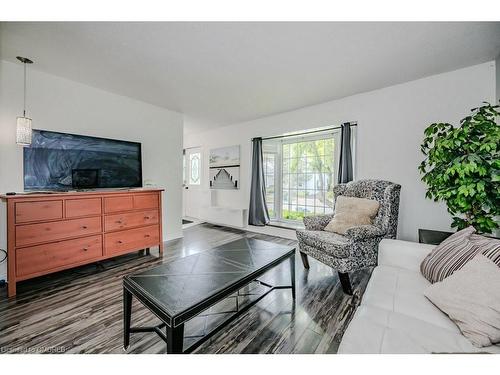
[402, 291]
[331, 243]
[352, 212]
[403, 254]
[374, 330]
[471, 298]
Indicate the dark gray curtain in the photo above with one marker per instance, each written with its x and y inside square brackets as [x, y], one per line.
[345, 163]
[257, 213]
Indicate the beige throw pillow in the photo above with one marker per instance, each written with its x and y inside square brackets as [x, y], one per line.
[352, 212]
[471, 298]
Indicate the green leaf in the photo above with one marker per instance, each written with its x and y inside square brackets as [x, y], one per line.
[462, 167]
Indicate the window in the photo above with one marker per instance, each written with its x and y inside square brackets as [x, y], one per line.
[194, 168]
[184, 182]
[300, 173]
[269, 160]
[307, 170]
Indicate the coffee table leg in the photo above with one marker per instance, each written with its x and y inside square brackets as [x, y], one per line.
[175, 339]
[292, 274]
[127, 315]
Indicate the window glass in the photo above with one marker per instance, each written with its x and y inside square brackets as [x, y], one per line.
[269, 160]
[299, 176]
[308, 168]
[194, 168]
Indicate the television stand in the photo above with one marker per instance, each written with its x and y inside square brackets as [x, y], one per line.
[50, 232]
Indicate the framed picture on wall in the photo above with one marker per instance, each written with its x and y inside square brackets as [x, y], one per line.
[224, 165]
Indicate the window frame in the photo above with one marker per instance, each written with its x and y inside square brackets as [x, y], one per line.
[278, 170]
[275, 177]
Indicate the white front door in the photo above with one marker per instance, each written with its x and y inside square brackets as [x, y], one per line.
[192, 181]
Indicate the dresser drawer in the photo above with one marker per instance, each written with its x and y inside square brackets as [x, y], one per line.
[38, 211]
[146, 201]
[130, 220]
[57, 255]
[131, 239]
[57, 230]
[117, 204]
[83, 207]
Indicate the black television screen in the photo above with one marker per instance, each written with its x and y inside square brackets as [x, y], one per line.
[60, 161]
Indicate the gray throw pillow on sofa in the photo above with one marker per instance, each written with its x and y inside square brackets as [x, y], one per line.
[471, 298]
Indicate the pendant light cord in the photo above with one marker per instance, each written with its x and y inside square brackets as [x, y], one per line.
[24, 105]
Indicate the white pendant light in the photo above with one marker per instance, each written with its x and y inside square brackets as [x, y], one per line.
[24, 129]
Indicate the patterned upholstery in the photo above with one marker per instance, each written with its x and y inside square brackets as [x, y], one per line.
[358, 247]
[331, 243]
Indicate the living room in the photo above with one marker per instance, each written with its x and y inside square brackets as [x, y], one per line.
[214, 187]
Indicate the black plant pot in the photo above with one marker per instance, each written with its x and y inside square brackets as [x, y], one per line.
[432, 237]
[435, 237]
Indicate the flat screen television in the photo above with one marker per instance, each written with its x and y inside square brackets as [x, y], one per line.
[60, 161]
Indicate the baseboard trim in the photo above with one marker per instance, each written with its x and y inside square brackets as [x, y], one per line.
[285, 226]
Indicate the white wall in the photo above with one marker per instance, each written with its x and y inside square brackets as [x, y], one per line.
[391, 122]
[62, 105]
[497, 64]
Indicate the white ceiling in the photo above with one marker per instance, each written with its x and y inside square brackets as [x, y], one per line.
[223, 73]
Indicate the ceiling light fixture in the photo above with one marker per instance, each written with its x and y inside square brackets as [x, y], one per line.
[24, 130]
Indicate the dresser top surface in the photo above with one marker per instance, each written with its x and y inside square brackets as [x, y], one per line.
[28, 195]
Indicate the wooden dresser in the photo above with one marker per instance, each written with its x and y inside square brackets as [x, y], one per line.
[52, 232]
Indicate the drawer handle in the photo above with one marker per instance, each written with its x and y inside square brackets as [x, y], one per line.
[118, 221]
[85, 249]
[84, 227]
[119, 241]
[147, 235]
[147, 217]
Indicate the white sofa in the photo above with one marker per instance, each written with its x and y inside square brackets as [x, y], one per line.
[395, 316]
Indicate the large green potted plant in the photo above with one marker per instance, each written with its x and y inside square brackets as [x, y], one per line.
[462, 168]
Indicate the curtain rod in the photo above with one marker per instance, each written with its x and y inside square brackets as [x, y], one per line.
[305, 133]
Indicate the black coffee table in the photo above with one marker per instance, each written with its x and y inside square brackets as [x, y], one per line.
[179, 290]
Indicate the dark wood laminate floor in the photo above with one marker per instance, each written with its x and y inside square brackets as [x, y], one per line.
[80, 310]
